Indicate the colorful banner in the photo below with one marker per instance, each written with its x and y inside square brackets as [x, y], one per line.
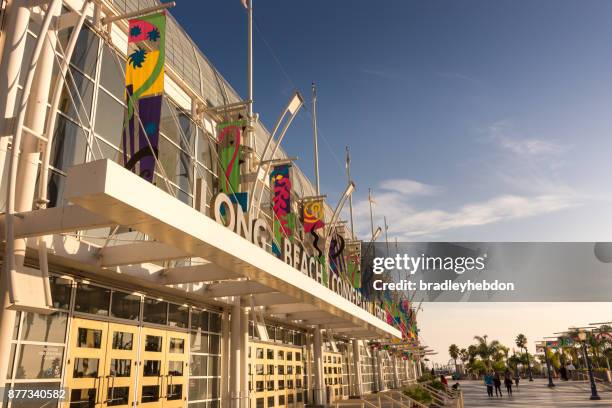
[314, 215]
[337, 263]
[229, 140]
[284, 220]
[144, 88]
[353, 263]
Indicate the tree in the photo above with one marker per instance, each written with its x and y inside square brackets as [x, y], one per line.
[486, 350]
[521, 342]
[453, 351]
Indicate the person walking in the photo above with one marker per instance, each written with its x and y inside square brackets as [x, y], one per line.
[497, 384]
[508, 382]
[488, 380]
[517, 378]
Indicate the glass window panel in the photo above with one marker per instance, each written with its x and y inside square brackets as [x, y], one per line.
[48, 328]
[155, 311]
[175, 368]
[178, 316]
[198, 365]
[177, 164]
[111, 75]
[213, 365]
[77, 97]
[270, 401]
[150, 393]
[199, 320]
[109, 119]
[177, 345]
[198, 389]
[85, 367]
[259, 353]
[204, 153]
[199, 342]
[175, 392]
[83, 398]
[259, 369]
[270, 353]
[55, 190]
[61, 290]
[37, 361]
[152, 368]
[86, 50]
[89, 338]
[118, 396]
[69, 144]
[120, 367]
[259, 403]
[215, 344]
[153, 343]
[92, 299]
[108, 151]
[123, 340]
[215, 322]
[125, 305]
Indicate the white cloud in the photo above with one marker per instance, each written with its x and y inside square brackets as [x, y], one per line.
[523, 146]
[408, 187]
[407, 222]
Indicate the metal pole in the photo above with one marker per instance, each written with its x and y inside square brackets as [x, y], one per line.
[235, 375]
[371, 212]
[250, 72]
[348, 176]
[315, 135]
[548, 369]
[319, 396]
[244, 350]
[594, 395]
[386, 234]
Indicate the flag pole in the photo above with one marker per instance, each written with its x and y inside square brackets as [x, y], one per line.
[315, 135]
[250, 127]
[371, 213]
[348, 176]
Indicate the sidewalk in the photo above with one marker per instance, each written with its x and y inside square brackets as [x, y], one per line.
[536, 394]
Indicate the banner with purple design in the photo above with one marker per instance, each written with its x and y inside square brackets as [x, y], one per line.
[144, 88]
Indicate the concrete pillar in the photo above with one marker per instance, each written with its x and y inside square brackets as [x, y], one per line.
[225, 359]
[379, 370]
[396, 380]
[17, 18]
[244, 359]
[235, 373]
[407, 369]
[319, 386]
[357, 378]
[308, 365]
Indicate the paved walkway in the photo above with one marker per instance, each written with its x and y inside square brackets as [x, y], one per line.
[536, 394]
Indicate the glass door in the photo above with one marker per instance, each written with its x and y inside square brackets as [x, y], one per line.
[85, 361]
[175, 372]
[120, 366]
[151, 368]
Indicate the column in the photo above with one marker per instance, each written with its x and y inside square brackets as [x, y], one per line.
[407, 370]
[379, 368]
[358, 379]
[396, 380]
[225, 359]
[244, 359]
[17, 18]
[235, 373]
[308, 366]
[319, 387]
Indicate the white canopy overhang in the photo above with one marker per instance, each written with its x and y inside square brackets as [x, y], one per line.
[105, 194]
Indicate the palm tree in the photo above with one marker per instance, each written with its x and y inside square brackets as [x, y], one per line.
[521, 342]
[453, 351]
[486, 349]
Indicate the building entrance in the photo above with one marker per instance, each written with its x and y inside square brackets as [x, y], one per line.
[113, 364]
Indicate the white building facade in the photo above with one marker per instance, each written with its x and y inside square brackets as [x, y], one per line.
[163, 293]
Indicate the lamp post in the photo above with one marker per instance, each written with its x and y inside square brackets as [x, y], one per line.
[582, 336]
[548, 368]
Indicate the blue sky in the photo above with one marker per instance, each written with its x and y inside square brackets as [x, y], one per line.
[471, 120]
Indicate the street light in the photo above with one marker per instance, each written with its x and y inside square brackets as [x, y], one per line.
[548, 370]
[582, 336]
